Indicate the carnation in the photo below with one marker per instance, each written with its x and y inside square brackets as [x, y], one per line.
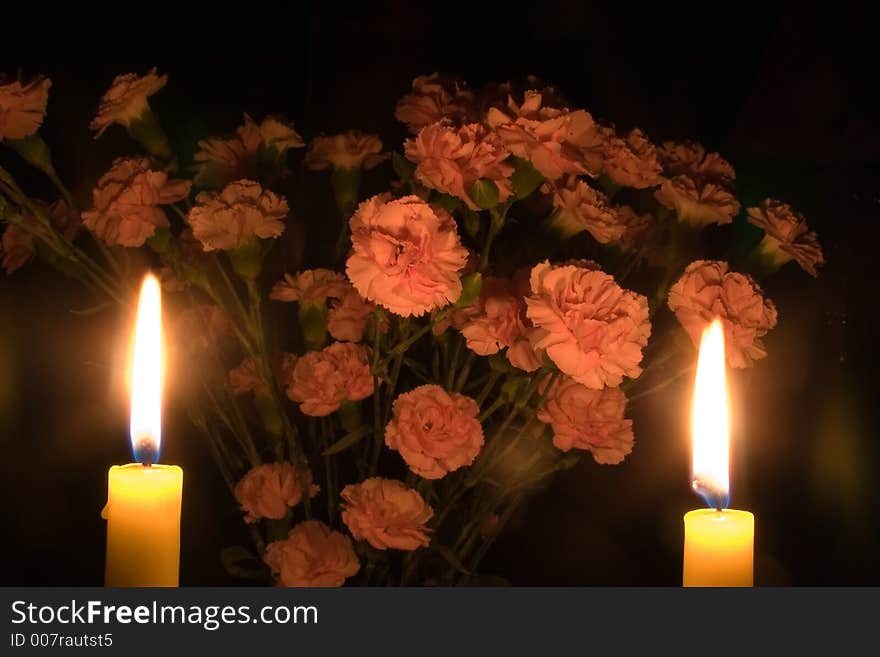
[591, 328]
[698, 203]
[126, 100]
[708, 290]
[636, 227]
[786, 235]
[245, 377]
[407, 255]
[312, 555]
[435, 431]
[269, 490]
[588, 419]
[16, 248]
[312, 287]
[323, 380]
[633, 162]
[690, 159]
[349, 315]
[556, 141]
[435, 98]
[242, 211]
[222, 160]
[386, 514]
[22, 107]
[450, 160]
[126, 202]
[580, 207]
[350, 150]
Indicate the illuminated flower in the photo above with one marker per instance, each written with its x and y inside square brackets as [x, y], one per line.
[323, 380]
[126, 202]
[451, 160]
[556, 141]
[787, 236]
[312, 286]
[690, 159]
[350, 150]
[589, 419]
[708, 290]
[593, 329]
[580, 207]
[242, 211]
[435, 431]
[434, 98]
[349, 316]
[269, 490]
[632, 162]
[699, 204]
[126, 100]
[386, 514]
[222, 160]
[22, 107]
[635, 227]
[407, 255]
[245, 378]
[312, 555]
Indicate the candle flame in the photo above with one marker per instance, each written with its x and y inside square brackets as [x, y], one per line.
[146, 375]
[710, 428]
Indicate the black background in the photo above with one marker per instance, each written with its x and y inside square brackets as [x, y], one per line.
[782, 89]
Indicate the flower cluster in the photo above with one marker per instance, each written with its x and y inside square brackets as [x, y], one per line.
[404, 386]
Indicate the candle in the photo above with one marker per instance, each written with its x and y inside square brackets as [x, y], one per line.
[143, 498]
[718, 541]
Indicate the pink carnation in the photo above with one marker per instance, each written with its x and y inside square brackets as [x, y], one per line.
[580, 207]
[386, 514]
[593, 329]
[497, 320]
[269, 490]
[126, 100]
[323, 380]
[434, 98]
[698, 203]
[707, 290]
[245, 377]
[451, 160]
[349, 315]
[636, 227]
[22, 107]
[407, 255]
[787, 236]
[312, 555]
[203, 325]
[556, 141]
[127, 199]
[350, 150]
[435, 431]
[690, 159]
[312, 287]
[222, 160]
[239, 213]
[632, 162]
[585, 418]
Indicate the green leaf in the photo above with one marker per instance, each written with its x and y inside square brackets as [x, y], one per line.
[446, 201]
[472, 222]
[238, 561]
[348, 440]
[470, 290]
[526, 178]
[510, 389]
[484, 193]
[570, 460]
[161, 241]
[402, 167]
[499, 363]
[451, 558]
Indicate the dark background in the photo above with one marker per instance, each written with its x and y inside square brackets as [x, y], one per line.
[782, 89]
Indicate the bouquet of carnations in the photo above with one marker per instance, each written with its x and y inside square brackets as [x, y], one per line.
[383, 380]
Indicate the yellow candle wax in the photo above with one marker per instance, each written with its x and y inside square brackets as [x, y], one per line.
[718, 548]
[143, 525]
